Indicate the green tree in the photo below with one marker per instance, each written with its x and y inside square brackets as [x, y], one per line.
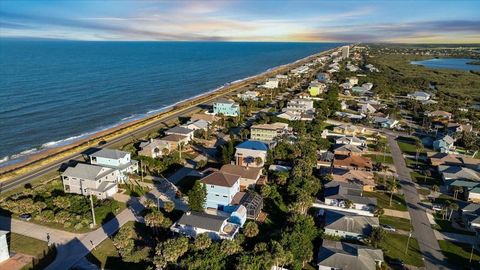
[392, 187]
[347, 204]
[376, 236]
[203, 241]
[251, 229]
[169, 206]
[230, 247]
[170, 250]
[197, 197]
[200, 164]
[378, 211]
[154, 220]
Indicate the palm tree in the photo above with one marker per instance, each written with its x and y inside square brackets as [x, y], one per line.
[392, 187]
[347, 204]
[378, 211]
[456, 190]
[418, 149]
[251, 229]
[453, 207]
[435, 188]
[426, 173]
[154, 220]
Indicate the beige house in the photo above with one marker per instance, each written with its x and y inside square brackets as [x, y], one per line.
[350, 130]
[249, 176]
[268, 132]
[251, 153]
[154, 148]
[175, 140]
[362, 178]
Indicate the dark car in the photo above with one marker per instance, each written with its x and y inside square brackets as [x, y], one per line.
[25, 217]
[396, 263]
[102, 143]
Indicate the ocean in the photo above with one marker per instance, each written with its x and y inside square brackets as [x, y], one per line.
[53, 93]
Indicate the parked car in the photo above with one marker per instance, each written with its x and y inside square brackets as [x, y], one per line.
[25, 217]
[396, 263]
[388, 228]
[102, 143]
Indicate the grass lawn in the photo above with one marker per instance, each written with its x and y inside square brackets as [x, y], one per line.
[424, 192]
[446, 226]
[186, 183]
[459, 254]
[407, 145]
[429, 180]
[413, 163]
[380, 158]
[398, 223]
[33, 247]
[383, 200]
[393, 246]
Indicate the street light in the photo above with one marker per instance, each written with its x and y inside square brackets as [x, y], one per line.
[408, 240]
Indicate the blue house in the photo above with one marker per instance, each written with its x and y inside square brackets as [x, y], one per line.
[115, 159]
[221, 188]
[444, 145]
[226, 107]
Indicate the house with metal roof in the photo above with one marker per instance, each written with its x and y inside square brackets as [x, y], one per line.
[251, 153]
[88, 179]
[217, 227]
[115, 159]
[349, 226]
[342, 255]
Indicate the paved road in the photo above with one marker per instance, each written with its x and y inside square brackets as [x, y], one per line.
[423, 231]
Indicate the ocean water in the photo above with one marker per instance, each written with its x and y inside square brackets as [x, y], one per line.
[448, 63]
[55, 92]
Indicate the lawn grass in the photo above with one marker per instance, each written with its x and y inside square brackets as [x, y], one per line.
[380, 158]
[458, 255]
[383, 200]
[396, 222]
[444, 225]
[407, 146]
[33, 247]
[186, 183]
[422, 180]
[393, 246]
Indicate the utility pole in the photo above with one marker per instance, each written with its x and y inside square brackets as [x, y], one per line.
[408, 240]
[471, 255]
[93, 210]
[158, 203]
[141, 170]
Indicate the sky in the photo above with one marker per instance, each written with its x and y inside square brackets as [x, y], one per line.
[396, 21]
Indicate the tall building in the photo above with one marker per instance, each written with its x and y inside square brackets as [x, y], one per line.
[345, 52]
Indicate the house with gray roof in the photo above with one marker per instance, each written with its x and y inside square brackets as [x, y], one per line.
[88, 179]
[217, 227]
[444, 144]
[182, 131]
[419, 96]
[115, 159]
[349, 226]
[337, 193]
[154, 148]
[346, 256]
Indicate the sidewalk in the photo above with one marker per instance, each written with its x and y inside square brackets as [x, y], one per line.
[396, 213]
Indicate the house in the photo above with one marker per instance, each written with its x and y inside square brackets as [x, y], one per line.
[206, 117]
[316, 88]
[346, 256]
[299, 71]
[249, 176]
[473, 195]
[453, 128]
[437, 159]
[248, 95]
[352, 140]
[197, 125]
[115, 159]
[439, 115]
[347, 150]
[349, 130]
[271, 83]
[323, 77]
[336, 193]
[300, 106]
[366, 109]
[216, 227]
[367, 86]
[352, 162]
[226, 107]
[289, 116]
[419, 96]
[353, 80]
[174, 141]
[251, 153]
[154, 148]
[221, 188]
[471, 215]
[363, 178]
[182, 131]
[451, 173]
[343, 105]
[88, 179]
[444, 144]
[268, 132]
[384, 122]
[325, 159]
[349, 226]
[359, 90]
[253, 202]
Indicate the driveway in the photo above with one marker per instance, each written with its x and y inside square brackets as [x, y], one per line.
[423, 232]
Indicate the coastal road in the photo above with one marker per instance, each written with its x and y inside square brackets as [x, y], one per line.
[423, 231]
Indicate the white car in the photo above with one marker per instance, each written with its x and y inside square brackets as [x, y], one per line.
[388, 228]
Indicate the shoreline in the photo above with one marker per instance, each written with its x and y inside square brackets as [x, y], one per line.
[45, 156]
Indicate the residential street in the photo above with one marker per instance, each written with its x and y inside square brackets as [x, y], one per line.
[423, 231]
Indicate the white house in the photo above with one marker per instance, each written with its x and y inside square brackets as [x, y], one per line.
[216, 227]
[419, 95]
[197, 124]
[115, 159]
[182, 131]
[247, 152]
[351, 140]
[271, 83]
[154, 148]
[86, 179]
